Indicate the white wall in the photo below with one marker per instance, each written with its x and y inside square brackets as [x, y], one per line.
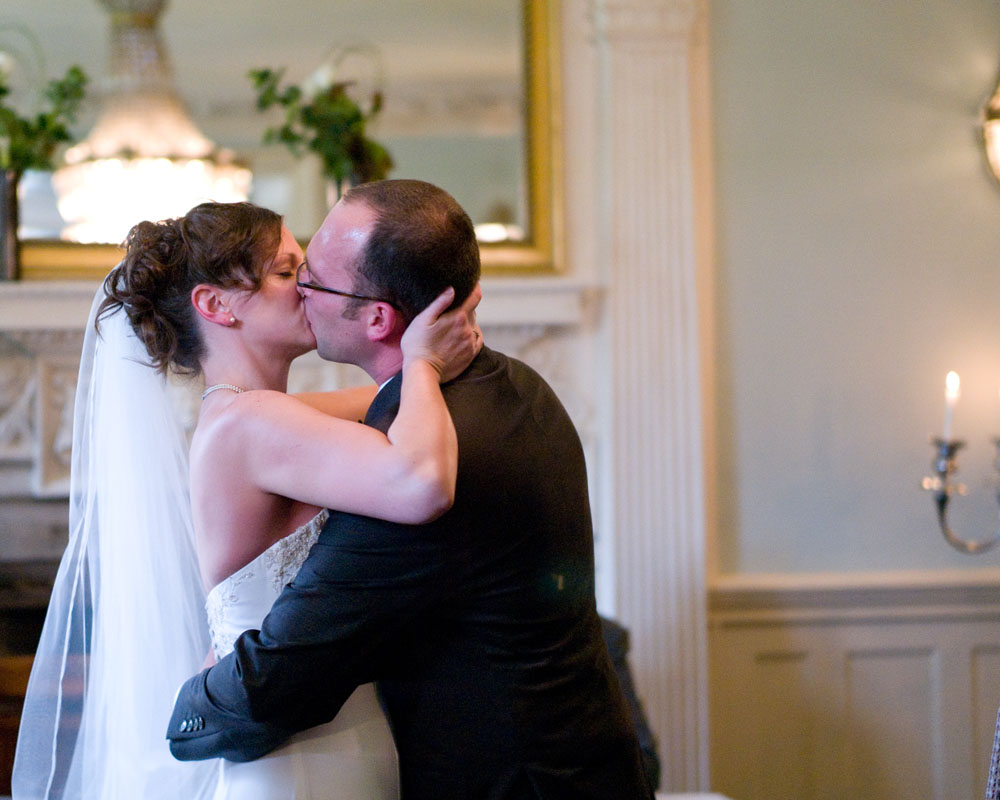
[857, 237]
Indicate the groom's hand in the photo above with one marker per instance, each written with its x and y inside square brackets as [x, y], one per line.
[200, 729]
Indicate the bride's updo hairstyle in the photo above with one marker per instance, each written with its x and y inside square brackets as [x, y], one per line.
[228, 245]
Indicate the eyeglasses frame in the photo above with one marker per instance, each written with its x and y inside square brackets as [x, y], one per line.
[318, 287]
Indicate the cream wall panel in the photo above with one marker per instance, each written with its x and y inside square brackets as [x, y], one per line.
[854, 691]
[892, 696]
[791, 730]
[984, 666]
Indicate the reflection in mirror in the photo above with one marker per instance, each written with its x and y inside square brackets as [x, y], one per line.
[468, 105]
[452, 110]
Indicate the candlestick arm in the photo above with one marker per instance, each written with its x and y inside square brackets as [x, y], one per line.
[944, 487]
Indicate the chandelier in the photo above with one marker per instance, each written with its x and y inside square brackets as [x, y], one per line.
[144, 158]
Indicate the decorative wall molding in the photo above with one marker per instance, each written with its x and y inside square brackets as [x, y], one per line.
[878, 686]
[17, 393]
[37, 382]
[653, 399]
[875, 596]
[53, 442]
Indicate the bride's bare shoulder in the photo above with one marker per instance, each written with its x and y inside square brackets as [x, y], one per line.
[227, 424]
[230, 415]
[254, 425]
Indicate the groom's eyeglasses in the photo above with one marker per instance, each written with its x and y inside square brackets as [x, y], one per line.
[304, 279]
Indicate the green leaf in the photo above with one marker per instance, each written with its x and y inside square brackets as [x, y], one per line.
[331, 124]
[33, 142]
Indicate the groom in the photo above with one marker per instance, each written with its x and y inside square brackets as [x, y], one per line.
[480, 628]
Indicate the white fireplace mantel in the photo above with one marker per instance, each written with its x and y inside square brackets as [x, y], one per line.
[41, 333]
[507, 301]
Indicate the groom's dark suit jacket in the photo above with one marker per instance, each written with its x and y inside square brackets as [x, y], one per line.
[480, 628]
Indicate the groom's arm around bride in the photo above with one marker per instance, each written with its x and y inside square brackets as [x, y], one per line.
[480, 628]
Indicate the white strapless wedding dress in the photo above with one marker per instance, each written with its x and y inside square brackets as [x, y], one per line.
[351, 758]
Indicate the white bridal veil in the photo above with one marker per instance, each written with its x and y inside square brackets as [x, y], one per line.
[126, 622]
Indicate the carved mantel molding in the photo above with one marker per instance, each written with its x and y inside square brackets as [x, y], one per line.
[41, 334]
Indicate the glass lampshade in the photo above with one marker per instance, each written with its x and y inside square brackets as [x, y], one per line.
[145, 158]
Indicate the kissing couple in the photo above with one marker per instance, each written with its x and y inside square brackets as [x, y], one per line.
[400, 608]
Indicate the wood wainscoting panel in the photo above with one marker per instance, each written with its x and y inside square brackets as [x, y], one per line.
[984, 700]
[871, 689]
[781, 677]
[893, 720]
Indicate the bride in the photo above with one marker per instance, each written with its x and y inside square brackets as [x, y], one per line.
[215, 292]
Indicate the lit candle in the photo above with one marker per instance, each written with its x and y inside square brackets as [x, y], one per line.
[951, 393]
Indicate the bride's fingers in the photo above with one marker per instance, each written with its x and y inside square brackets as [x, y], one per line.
[440, 305]
[469, 307]
[470, 303]
[436, 307]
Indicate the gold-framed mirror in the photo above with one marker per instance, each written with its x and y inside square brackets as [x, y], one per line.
[541, 249]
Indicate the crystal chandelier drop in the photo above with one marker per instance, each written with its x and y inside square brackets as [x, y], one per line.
[144, 158]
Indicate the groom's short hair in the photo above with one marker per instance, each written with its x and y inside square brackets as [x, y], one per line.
[421, 243]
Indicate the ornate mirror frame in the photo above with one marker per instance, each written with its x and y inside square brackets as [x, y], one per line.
[540, 253]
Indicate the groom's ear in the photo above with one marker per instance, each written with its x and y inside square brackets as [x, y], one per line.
[212, 304]
[382, 322]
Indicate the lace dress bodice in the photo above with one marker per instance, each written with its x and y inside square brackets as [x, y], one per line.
[350, 758]
[241, 601]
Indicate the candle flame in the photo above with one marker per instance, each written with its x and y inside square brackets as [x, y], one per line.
[952, 383]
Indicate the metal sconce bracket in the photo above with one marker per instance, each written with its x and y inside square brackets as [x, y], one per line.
[944, 487]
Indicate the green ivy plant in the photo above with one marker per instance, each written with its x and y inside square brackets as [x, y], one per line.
[328, 121]
[31, 142]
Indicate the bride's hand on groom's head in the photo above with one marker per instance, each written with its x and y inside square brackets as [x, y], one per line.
[448, 340]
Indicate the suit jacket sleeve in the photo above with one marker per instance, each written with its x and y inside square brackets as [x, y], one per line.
[364, 583]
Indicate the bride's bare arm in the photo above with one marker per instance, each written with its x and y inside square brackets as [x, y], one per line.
[349, 403]
[290, 449]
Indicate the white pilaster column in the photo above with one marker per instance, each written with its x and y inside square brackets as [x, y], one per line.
[654, 401]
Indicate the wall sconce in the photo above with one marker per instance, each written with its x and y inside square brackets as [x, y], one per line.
[945, 466]
[991, 131]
